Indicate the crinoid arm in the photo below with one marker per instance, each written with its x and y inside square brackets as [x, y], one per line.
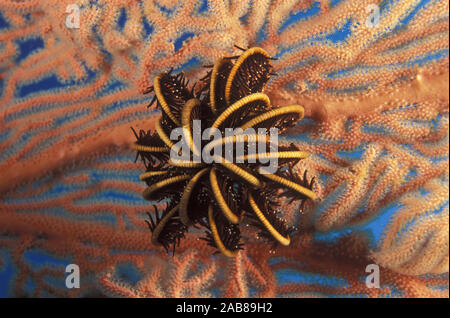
[271, 225]
[221, 234]
[250, 74]
[167, 230]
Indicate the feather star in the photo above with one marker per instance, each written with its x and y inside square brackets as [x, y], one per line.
[221, 195]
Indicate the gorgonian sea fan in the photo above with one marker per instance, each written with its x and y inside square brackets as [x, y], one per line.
[221, 195]
[375, 128]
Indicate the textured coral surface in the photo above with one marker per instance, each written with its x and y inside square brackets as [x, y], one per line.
[375, 92]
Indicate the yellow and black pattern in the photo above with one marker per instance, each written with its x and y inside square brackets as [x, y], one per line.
[223, 195]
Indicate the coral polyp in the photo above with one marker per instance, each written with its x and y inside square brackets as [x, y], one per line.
[231, 190]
